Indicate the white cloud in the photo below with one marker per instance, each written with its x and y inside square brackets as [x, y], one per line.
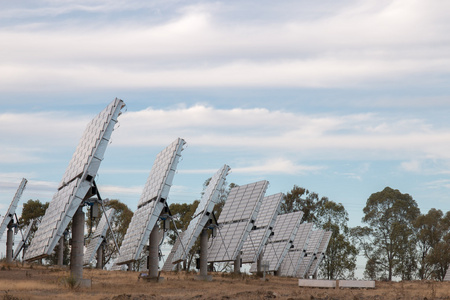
[411, 166]
[362, 43]
[280, 136]
[277, 166]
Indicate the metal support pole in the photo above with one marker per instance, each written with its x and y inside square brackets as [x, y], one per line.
[258, 263]
[99, 264]
[61, 251]
[153, 253]
[237, 264]
[76, 254]
[204, 253]
[9, 243]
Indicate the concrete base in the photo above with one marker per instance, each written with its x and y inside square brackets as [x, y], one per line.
[203, 278]
[144, 276]
[317, 283]
[362, 284]
[85, 283]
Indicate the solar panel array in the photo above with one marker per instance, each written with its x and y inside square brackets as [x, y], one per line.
[76, 181]
[292, 261]
[320, 253]
[12, 207]
[98, 237]
[25, 237]
[311, 252]
[285, 230]
[151, 203]
[263, 228]
[202, 214]
[236, 220]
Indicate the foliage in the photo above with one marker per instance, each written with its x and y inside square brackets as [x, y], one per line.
[119, 224]
[439, 258]
[32, 209]
[182, 215]
[310, 205]
[340, 259]
[431, 229]
[388, 242]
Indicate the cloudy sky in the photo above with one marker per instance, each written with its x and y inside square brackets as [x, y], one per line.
[341, 97]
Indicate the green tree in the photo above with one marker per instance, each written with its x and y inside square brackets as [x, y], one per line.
[32, 209]
[439, 258]
[430, 230]
[310, 204]
[390, 216]
[182, 214]
[340, 259]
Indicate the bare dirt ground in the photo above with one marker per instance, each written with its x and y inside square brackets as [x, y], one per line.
[33, 282]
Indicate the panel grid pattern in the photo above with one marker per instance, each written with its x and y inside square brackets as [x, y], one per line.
[320, 252]
[236, 220]
[88, 143]
[25, 237]
[202, 213]
[285, 230]
[151, 203]
[75, 184]
[295, 255]
[168, 265]
[311, 253]
[264, 227]
[12, 207]
[98, 236]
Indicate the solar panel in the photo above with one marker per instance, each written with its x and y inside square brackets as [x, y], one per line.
[168, 265]
[311, 252]
[447, 275]
[263, 228]
[295, 255]
[320, 253]
[98, 237]
[76, 181]
[236, 220]
[151, 203]
[12, 207]
[285, 230]
[202, 214]
[25, 237]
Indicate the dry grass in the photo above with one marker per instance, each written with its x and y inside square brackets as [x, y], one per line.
[48, 283]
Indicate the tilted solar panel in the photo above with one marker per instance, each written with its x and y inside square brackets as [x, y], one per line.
[98, 236]
[202, 214]
[311, 252]
[168, 265]
[320, 253]
[236, 220]
[447, 275]
[295, 255]
[285, 230]
[12, 207]
[76, 181]
[151, 203]
[264, 224]
[24, 239]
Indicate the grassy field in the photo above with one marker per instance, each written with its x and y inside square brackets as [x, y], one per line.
[32, 282]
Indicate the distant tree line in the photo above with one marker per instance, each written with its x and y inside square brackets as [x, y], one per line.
[397, 241]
